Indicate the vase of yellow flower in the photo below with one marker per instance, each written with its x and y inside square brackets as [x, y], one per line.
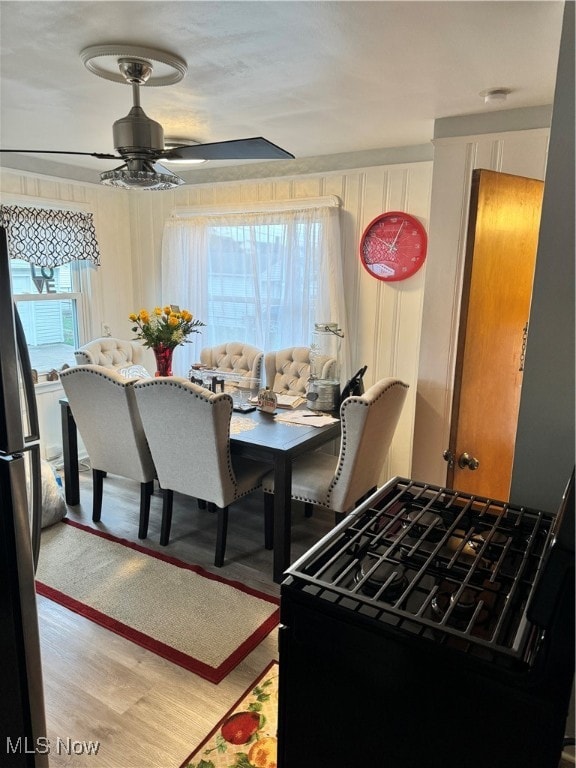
[162, 330]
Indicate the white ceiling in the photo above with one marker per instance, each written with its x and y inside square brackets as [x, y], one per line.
[316, 78]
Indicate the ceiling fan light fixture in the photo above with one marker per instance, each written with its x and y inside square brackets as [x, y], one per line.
[148, 180]
[171, 143]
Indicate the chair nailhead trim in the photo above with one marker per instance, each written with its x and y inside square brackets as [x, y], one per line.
[221, 396]
[345, 404]
[74, 370]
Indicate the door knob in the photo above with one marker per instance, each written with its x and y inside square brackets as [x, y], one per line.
[466, 460]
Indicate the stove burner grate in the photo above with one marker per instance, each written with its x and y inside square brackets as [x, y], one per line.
[436, 563]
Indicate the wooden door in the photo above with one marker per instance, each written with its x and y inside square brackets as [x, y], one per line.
[501, 250]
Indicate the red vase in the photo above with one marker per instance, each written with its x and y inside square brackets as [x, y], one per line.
[163, 356]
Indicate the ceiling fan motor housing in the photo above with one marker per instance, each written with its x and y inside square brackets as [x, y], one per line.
[137, 133]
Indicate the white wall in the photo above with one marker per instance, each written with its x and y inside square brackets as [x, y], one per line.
[384, 319]
[523, 153]
[112, 283]
[405, 329]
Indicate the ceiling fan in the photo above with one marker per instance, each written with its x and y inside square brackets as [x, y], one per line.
[139, 140]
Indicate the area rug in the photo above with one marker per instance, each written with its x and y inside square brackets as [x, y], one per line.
[203, 622]
[246, 735]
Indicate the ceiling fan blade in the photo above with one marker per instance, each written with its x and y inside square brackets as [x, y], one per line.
[256, 148]
[101, 155]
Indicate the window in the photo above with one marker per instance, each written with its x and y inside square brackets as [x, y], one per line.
[250, 272]
[51, 254]
[261, 276]
[49, 302]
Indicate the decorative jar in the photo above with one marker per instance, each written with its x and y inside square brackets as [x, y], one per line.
[324, 387]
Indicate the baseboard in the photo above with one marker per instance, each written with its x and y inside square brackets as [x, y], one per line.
[83, 462]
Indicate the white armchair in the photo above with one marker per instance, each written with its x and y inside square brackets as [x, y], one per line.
[340, 482]
[196, 424]
[234, 357]
[112, 353]
[288, 370]
[104, 408]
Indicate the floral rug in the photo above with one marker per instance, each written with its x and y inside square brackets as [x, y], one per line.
[246, 735]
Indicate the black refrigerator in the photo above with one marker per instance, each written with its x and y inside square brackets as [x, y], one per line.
[23, 742]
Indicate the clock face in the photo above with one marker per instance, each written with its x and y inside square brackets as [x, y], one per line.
[393, 246]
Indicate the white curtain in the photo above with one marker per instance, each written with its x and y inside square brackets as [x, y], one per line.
[263, 276]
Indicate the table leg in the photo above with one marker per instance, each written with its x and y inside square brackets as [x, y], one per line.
[70, 453]
[282, 516]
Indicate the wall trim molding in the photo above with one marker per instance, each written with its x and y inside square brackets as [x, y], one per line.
[30, 201]
[494, 121]
[246, 171]
[477, 137]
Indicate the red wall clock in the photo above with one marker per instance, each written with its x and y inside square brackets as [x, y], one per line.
[393, 246]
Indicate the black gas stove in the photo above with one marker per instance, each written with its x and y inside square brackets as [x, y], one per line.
[441, 615]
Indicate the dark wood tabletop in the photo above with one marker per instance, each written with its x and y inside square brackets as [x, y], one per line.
[275, 436]
[282, 443]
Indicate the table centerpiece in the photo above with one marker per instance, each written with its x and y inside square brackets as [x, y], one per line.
[162, 330]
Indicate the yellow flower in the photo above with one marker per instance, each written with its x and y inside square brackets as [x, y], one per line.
[164, 326]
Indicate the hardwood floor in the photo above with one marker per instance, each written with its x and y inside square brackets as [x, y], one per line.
[142, 710]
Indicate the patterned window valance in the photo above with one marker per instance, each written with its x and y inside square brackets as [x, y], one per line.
[49, 237]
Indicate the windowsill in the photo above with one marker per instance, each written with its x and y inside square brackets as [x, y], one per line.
[43, 385]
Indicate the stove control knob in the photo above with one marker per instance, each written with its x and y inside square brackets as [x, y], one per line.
[466, 460]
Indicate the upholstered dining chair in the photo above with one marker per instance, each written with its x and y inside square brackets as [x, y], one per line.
[339, 482]
[104, 408]
[188, 431]
[234, 357]
[113, 353]
[288, 370]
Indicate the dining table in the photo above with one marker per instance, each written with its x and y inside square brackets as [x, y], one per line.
[258, 435]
